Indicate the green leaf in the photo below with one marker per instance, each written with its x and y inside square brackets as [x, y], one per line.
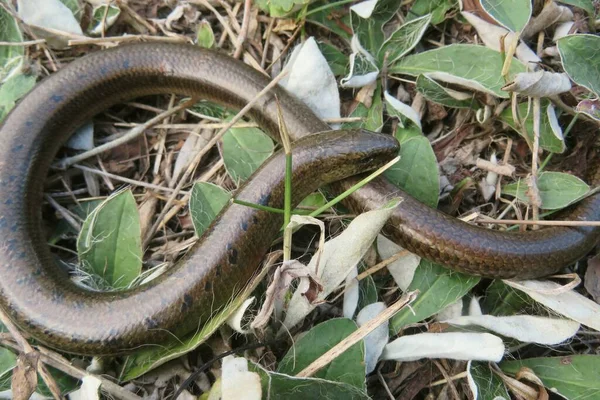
[109, 244]
[362, 71]
[575, 376]
[335, 19]
[489, 385]
[149, 358]
[337, 60]
[367, 292]
[349, 367]
[244, 150]
[581, 64]
[206, 202]
[102, 17]
[372, 118]
[75, 7]
[557, 190]
[548, 140]
[369, 27]
[12, 90]
[437, 8]
[501, 299]
[280, 8]
[66, 383]
[417, 171]
[589, 107]
[438, 287]
[512, 14]
[404, 39]
[285, 387]
[10, 56]
[435, 92]
[8, 360]
[476, 67]
[204, 35]
[587, 5]
[313, 201]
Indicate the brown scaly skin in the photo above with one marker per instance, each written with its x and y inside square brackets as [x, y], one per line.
[42, 301]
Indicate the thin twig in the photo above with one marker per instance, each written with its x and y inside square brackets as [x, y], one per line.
[128, 38]
[382, 264]
[26, 43]
[357, 335]
[132, 134]
[126, 180]
[239, 47]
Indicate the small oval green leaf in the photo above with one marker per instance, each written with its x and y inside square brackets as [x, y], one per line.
[206, 202]
[417, 171]
[557, 190]
[244, 150]
[109, 244]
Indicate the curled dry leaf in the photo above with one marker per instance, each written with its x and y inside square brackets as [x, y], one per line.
[539, 84]
[339, 256]
[235, 319]
[550, 14]
[526, 328]
[568, 303]
[282, 279]
[237, 382]
[498, 38]
[454, 345]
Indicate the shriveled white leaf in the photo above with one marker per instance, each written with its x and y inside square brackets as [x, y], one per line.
[539, 84]
[553, 121]
[235, 320]
[488, 185]
[453, 345]
[495, 37]
[351, 294]
[483, 114]
[339, 256]
[50, 14]
[311, 80]
[83, 138]
[452, 310]
[526, 328]
[568, 303]
[468, 83]
[237, 382]
[402, 109]
[562, 30]
[363, 67]
[364, 9]
[89, 390]
[275, 296]
[475, 307]
[377, 339]
[403, 269]
[471, 382]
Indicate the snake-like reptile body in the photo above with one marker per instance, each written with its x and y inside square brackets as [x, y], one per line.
[44, 302]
